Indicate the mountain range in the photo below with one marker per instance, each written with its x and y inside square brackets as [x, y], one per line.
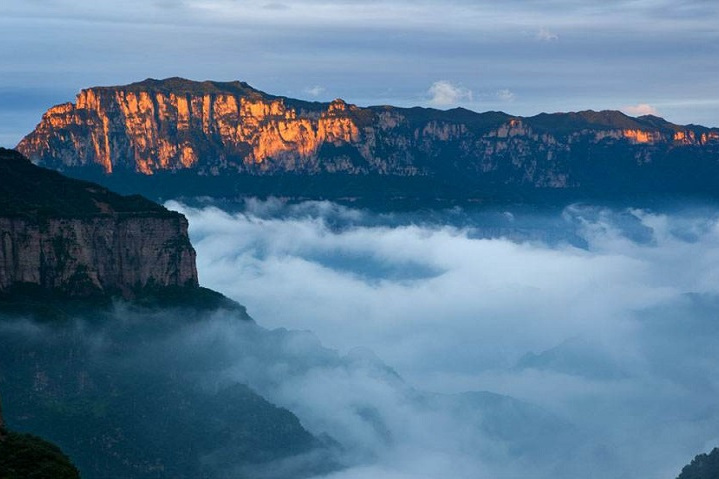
[137, 387]
[176, 137]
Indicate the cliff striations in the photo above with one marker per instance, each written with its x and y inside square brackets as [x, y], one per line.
[230, 130]
[79, 239]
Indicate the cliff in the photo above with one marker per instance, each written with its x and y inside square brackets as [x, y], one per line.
[219, 131]
[79, 239]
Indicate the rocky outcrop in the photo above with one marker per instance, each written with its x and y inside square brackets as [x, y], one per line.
[79, 239]
[177, 124]
[83, 256]
[228, 130]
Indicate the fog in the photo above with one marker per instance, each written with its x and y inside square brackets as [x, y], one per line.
[602, 322]
[572, 343]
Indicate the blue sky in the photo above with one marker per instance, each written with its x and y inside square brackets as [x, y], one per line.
[522, 57]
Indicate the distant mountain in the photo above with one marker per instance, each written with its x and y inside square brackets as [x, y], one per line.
[179, 137]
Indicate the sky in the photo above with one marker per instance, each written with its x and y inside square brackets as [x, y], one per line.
[519, 56]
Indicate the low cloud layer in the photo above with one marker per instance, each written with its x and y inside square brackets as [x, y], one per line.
[603, 320]
[456, 343]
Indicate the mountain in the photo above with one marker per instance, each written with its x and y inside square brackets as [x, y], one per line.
[100, 314]
[179, 137]
[79, 239]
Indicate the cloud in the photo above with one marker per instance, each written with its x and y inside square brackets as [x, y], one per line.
[315, 90]
[545, 35]
[600, 317]
[640, 109]
[506, 95]
[455, 343]
[371, 59]
[276, 6]
[445, 93]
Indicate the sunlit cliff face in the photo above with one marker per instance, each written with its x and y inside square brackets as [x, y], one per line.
[229, 128]
[165, 131]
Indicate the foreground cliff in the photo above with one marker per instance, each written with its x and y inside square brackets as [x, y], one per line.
[79, 239]
[121, 386]
[228, 139]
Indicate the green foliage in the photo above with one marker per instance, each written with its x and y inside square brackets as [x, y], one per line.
[23, 456]
[704, 466]
[29, 191]
[130, 405]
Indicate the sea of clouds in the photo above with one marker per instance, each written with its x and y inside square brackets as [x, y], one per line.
[577, 342]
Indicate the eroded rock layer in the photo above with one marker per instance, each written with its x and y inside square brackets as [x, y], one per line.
[226, 129]
[80, 239]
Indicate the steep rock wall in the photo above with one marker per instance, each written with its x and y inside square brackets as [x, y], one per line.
[81, 239]
[96, 255]
[225, 129]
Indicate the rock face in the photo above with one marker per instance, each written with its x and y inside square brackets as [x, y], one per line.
[227, 130]
[80, 239]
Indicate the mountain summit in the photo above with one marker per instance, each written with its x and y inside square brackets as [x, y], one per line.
[235, 139]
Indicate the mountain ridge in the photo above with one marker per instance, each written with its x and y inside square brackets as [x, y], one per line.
[230, 130]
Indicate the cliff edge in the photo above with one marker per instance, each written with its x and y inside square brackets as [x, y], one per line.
[179, 137]
[79, 239]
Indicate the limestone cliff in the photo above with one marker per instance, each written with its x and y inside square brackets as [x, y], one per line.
[79, 239]
[231, 130]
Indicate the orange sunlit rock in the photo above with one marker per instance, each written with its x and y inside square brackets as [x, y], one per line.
[638, 136]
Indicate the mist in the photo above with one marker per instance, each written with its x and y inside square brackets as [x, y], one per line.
[601, 323]
[579, 342]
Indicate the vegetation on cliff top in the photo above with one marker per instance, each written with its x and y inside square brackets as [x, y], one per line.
[704, 466]
[27, 190]
[24, 456]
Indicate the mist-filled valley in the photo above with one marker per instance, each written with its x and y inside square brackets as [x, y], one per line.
[579, 342]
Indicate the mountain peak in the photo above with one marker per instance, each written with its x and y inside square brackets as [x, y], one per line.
[178, 85]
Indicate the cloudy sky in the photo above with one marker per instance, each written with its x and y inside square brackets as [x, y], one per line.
[523, 57]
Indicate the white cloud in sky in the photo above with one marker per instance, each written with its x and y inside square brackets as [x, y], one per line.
[387, 55]
[546, 35]
[640, 109]
[506, 95]
[315, 90]
[445, 93]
